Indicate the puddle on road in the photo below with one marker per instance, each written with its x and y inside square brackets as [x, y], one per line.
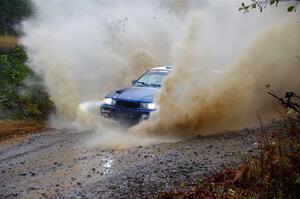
[107, 165]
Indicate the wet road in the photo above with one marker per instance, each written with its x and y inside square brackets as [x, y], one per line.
[58, 164]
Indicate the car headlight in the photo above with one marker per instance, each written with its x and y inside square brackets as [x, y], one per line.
[109, 101]
[150, 106]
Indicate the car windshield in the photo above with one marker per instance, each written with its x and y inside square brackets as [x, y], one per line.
[152, 78]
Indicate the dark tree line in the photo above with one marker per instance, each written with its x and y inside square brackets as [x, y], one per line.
[12, 12]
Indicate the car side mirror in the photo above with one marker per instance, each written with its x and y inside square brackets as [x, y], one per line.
[133, 81]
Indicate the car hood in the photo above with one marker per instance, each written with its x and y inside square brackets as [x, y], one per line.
[140, 94]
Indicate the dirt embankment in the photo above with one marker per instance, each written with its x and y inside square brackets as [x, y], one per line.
[10, 130]
[7, 41]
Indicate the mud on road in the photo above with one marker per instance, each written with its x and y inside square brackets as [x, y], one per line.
[59, 164]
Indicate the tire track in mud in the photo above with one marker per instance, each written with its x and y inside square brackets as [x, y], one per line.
[35, 143]
[32, 161]
[38, 149]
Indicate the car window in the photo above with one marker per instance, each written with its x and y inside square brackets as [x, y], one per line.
[152, 78]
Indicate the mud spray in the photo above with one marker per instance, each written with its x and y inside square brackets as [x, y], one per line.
[83, 49]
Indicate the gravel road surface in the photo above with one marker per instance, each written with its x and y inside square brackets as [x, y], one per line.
[57, 164]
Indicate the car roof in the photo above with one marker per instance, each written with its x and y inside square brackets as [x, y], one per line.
[169, 68]
[162, 68]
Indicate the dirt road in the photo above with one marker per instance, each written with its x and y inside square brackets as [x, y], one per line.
[57, 164]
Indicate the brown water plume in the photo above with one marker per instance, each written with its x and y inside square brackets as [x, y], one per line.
[195, 101]
[85, 49]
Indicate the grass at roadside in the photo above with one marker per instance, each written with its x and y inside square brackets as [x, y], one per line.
[13, 129]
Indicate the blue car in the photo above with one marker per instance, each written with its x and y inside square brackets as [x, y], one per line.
[135, 103]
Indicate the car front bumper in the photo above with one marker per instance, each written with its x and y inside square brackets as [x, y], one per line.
[127, 115]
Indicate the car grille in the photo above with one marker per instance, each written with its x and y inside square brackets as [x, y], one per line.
[126, 115]
[124, 104]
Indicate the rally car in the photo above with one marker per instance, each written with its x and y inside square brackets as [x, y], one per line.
[135, 103]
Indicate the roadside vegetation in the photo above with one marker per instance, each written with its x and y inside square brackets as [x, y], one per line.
[22, 94]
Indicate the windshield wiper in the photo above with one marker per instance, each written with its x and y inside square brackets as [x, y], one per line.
[143, 83]
[156, 85]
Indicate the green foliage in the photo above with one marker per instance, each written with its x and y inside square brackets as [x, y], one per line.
[184, 185]
[297, 181]
[21, 93]
[13, 12]
[244, 156]
[262, 5]
[291, 8]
